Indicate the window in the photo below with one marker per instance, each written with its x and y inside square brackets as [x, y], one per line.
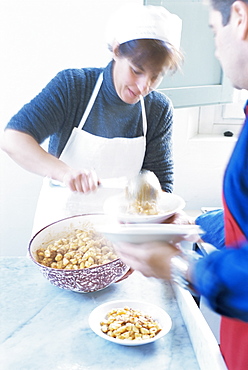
[218, 119]
[201, 81]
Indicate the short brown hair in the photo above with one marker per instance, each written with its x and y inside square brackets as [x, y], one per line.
[150, 51]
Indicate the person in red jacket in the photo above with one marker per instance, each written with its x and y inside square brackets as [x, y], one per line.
[222, 276]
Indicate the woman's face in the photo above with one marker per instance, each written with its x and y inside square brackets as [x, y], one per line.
[131, 81]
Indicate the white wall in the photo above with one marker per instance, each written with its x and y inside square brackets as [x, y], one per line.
[38, 39]
[200, 161]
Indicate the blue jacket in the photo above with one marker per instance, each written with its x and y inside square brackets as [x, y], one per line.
[222, 276]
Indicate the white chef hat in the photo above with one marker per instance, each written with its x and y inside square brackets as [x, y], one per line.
[135, 21]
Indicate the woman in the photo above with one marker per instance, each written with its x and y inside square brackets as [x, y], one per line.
[102, 122]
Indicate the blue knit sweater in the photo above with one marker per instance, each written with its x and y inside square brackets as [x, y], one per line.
[60, 105]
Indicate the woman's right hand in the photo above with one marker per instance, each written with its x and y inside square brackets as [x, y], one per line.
[81, 181]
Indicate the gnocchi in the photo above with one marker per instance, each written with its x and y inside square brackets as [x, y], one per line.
[80, 249]
[129, 324]
[147, 208]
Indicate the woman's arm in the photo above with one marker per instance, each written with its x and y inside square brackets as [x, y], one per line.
[27, 153]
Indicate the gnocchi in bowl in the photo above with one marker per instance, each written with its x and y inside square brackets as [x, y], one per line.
[72, 255]
[130, 322]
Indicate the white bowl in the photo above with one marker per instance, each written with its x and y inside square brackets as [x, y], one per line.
[144, 233]
[157, 313]
[168, 205]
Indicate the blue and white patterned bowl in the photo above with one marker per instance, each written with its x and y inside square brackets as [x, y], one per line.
[82, 280]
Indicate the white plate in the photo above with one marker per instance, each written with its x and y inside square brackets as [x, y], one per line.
[142, 233]
[168, 205]
[157, 313]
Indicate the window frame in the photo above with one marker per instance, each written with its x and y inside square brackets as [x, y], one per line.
[217, 119]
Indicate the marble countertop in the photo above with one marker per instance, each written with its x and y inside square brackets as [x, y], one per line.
[45, 327]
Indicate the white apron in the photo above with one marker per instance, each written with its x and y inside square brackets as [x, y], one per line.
[114, 157]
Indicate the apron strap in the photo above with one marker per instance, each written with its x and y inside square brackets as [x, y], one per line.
[93, 98]
[143, 115]
[91, 101]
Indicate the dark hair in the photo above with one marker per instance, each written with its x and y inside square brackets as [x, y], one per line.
[151, 52]
[224, 7]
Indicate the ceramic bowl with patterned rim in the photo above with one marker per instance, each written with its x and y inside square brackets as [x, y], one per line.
[82, 280]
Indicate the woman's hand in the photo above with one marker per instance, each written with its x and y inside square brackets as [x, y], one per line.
[151, 259]
[81, 181]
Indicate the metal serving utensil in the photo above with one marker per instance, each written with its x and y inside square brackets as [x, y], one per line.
[110, 183]
[143, 188]
[114, 183]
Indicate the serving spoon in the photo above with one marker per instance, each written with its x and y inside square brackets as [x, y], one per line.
[110, 183]
[143, 188]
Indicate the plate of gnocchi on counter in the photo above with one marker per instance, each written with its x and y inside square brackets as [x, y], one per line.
[130, 323]
[165, 206]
